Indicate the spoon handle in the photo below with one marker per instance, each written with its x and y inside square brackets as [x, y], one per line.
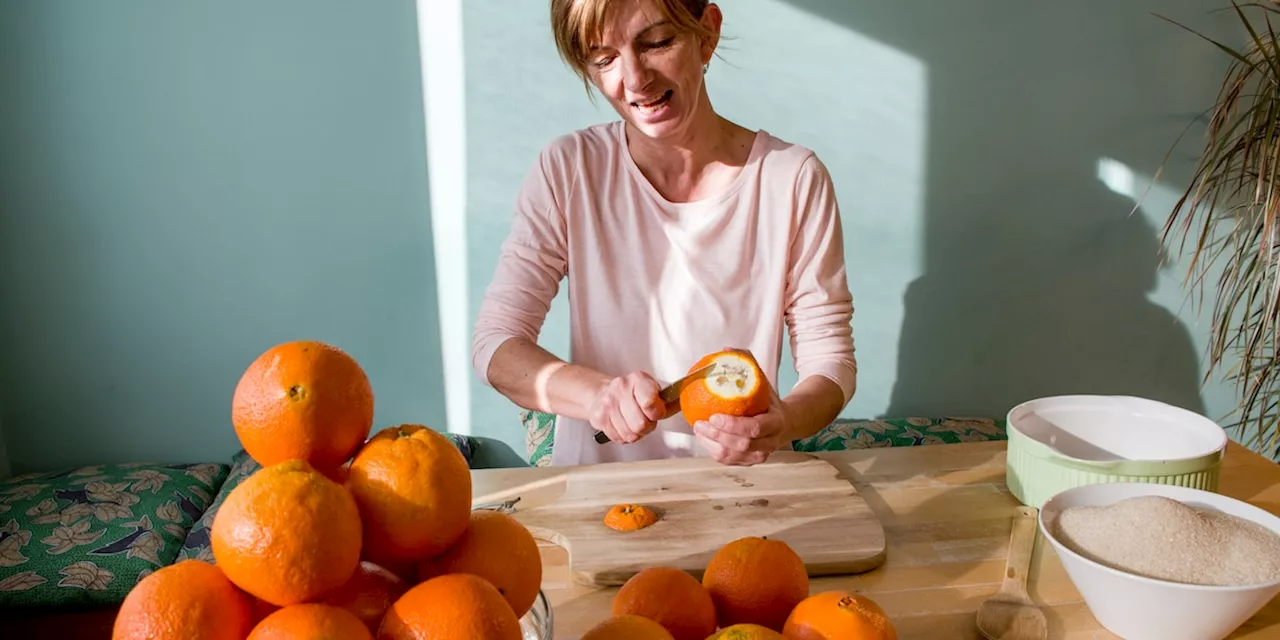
[1022, 540]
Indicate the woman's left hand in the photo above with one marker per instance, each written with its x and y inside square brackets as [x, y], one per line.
[744, 441]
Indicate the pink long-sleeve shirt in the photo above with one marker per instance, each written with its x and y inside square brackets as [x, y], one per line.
[654, 285]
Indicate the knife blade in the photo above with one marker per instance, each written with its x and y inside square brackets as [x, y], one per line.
[671, 392]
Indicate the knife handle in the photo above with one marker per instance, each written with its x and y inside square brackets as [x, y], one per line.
[669, 395]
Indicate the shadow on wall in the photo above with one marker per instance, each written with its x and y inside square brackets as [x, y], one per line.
[1036, 279]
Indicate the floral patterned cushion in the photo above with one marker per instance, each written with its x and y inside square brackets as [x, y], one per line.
[540, 434]
[197, 545]
[86, 536]
[905, 432]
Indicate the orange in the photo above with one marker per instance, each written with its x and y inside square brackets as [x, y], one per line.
[627, 627]
[310, 622]
[188, 600]
[414, 491]
[629, 517]
[406, 570]
[305, 400]
[670, 597]
[338, 475]
[259, 609]
[499, 549]
[756, 580]
[839, 614]
[368, 594]
[735, 387]
[753, 632]
[287, 534]
[457, 606]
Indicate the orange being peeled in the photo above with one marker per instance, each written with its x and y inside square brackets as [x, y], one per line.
[735, 386]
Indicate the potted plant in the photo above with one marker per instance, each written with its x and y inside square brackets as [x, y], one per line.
[1228, 220]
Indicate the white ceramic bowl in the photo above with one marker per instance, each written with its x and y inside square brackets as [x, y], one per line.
[1060, 442]
[1140, 608]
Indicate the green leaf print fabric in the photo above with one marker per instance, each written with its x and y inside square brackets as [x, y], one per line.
[86, 536]
[540, 434]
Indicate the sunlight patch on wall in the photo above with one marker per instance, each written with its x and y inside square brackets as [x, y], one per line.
[1117, 176]
[1154, 201]
[862, 106]
[1157, 200]
[443, 97]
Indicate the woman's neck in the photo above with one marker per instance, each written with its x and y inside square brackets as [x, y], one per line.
[697, 164]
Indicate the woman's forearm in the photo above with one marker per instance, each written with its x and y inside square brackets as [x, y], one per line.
[813, 404]
[535, 379]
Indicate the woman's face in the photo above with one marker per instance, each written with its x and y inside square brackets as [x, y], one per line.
[648, 70]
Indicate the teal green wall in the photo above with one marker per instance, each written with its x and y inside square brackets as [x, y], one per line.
[5, 470]
[988, 261]
[184, 185]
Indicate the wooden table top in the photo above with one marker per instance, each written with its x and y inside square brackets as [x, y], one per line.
[946, 513]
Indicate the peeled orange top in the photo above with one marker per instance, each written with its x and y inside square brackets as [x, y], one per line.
[735, 386]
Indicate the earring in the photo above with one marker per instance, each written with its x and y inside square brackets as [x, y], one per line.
[704, 68]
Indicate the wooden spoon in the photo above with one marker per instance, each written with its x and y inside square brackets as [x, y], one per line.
[1010, 614]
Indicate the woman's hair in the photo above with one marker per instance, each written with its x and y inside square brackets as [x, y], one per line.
[577, 24]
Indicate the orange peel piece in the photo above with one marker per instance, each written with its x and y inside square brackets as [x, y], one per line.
[629, 517]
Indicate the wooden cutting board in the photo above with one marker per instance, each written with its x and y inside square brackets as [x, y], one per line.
[796, 498]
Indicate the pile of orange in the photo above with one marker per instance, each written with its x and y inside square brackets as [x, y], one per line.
[343, 535]
[751, 589]
[340, 535]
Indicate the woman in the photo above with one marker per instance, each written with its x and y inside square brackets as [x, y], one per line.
[680, 233]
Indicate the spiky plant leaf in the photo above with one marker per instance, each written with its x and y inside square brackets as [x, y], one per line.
[1227, 217]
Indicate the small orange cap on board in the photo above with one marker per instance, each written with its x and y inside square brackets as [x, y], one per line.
[629, 517]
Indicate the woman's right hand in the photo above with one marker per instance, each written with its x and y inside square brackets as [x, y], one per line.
[628, 407]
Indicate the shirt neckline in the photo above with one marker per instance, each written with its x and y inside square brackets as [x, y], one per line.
[753, 160]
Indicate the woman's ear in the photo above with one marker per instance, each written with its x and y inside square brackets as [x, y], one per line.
[711, 20]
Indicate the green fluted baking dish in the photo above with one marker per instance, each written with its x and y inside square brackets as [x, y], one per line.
[1060, 442]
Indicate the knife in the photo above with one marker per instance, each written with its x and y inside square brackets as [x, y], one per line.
[671, 392]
